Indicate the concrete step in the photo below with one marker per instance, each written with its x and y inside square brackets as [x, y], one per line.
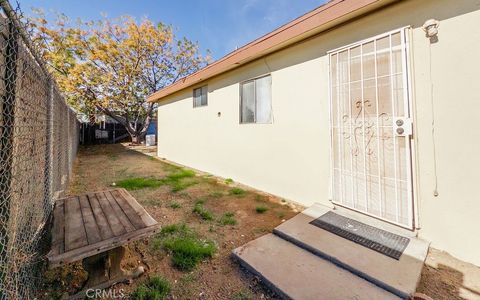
[295, 273]
[397, 276]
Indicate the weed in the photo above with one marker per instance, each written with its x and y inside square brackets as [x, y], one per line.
[228, 219]
[173, 228]
[283, 200]
[175, 205]
[261, 209]
[281, 215]
[186, 248]
[180, 174]
[200, 200]
[176, 179]
[237, 192]
[139, 183]
[156, 288]
[187, 252]
[216, 194]
[200, 210]
[228, 180]
[179, 186]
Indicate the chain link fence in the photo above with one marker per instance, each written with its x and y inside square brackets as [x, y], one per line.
[38, 143]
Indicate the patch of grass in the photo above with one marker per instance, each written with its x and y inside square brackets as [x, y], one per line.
[200, 200]
[113, 156]
[177, 180]
[175, 205]
[261, 209]
[187, 252]
[180, 186]
[173, 228]
[204, 213]
[156, 288]
[228, 180]
[281, 215]
[228, 219]
[139, 183]
[237, 191]
[216, 194]
[186, 248]
[180, 174]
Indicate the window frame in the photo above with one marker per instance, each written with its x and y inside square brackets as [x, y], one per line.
[201, 88]
[254, 79]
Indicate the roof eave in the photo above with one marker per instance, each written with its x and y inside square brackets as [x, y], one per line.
[323, 18]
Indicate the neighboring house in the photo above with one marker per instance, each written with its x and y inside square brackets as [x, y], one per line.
[353, 104]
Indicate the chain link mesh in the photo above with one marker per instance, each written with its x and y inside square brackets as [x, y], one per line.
[38, 143]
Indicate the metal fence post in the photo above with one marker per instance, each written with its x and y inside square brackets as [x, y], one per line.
[49, 146]
[6, 148]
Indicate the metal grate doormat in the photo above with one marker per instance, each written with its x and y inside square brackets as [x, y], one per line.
[382, 241]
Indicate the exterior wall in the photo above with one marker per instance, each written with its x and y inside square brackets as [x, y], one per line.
[291, 157]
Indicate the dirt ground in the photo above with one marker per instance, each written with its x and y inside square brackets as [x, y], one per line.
[98, 167]
[445, 277]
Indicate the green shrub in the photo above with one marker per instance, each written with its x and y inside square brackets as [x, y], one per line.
[228, 180]
[261, 209]
[237, 192]
[156, 288]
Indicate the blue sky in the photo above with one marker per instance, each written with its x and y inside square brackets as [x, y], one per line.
[218, 25]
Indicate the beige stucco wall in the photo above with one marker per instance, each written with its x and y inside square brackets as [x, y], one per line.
[290, 158]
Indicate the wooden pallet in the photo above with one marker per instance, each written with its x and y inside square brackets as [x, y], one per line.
[96, 222]
[93, 228]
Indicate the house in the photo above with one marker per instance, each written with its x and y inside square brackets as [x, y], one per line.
[366, 105]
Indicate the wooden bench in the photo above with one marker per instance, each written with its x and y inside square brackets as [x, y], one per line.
[93, 228]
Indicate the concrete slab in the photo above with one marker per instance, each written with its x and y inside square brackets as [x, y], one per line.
[397, 276]
[298, 274]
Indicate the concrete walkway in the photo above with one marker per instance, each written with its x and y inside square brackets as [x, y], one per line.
[302, 261]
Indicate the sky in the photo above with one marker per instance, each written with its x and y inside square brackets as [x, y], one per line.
[217, 25]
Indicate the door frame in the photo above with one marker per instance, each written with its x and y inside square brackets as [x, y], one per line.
[407, 63]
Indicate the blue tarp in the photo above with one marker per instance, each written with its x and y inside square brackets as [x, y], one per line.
[152, 128]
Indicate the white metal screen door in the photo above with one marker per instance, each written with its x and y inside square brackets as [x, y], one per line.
[370, 128]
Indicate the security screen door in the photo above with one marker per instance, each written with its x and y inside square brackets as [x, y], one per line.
[371, 128]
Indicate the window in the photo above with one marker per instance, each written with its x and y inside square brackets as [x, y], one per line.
[200, 96]
[256, 100]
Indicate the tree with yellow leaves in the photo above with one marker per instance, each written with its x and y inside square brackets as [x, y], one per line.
[112, 65]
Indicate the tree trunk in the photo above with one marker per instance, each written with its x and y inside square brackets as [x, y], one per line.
[138, 134]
